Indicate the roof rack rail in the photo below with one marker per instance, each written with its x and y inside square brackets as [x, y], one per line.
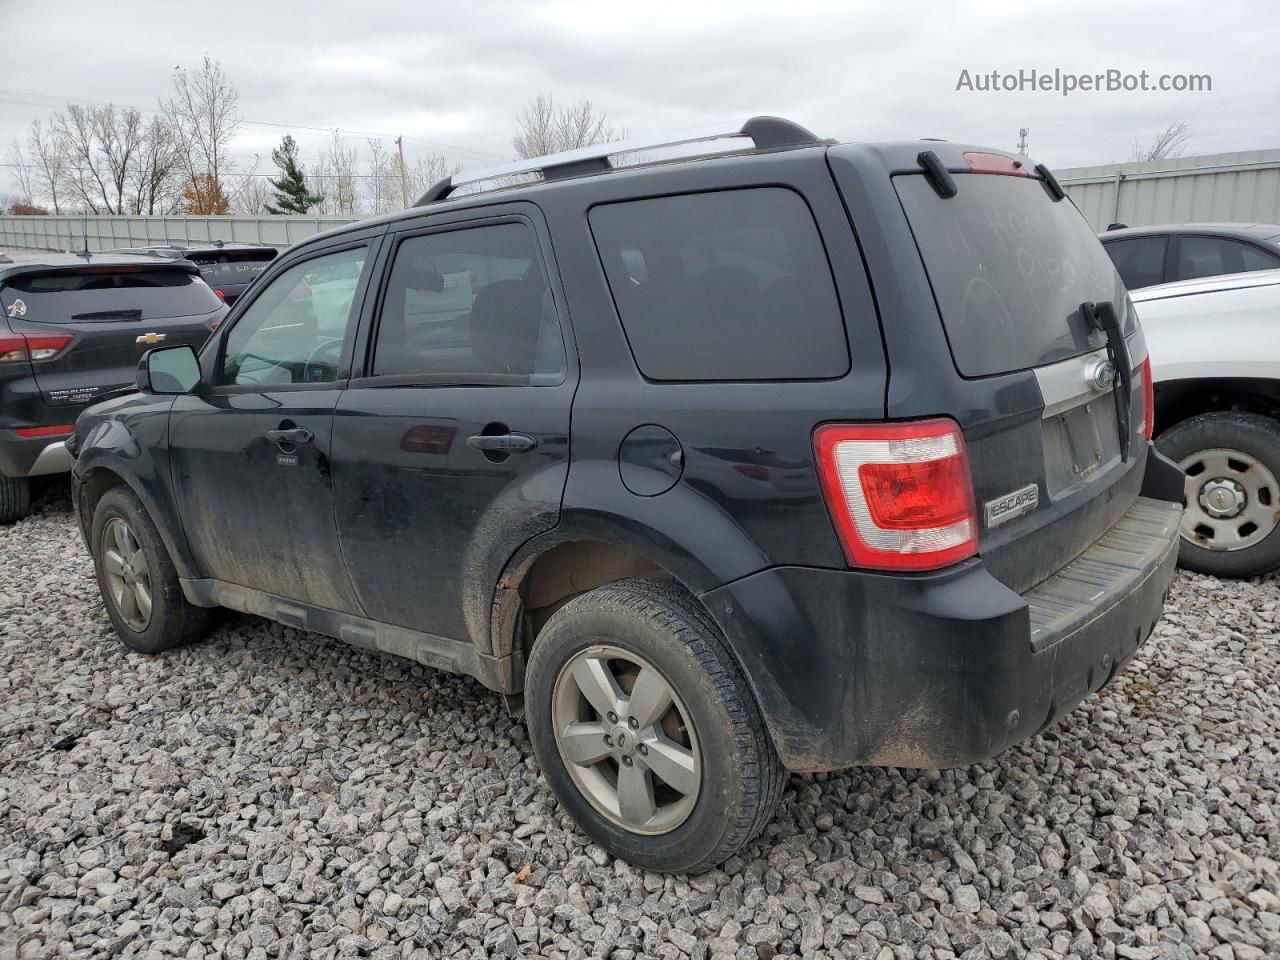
[765, 132]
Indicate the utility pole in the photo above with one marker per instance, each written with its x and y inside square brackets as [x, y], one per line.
[404, 174]
[1022, 139]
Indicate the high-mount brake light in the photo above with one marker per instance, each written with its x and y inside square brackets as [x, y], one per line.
[995, 163]
[21, 347]
[900, 494]
[1148, 400]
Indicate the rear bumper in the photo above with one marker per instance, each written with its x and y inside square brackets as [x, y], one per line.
[942, 669]
[32, 456]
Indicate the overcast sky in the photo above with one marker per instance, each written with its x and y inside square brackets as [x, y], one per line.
[454, 76]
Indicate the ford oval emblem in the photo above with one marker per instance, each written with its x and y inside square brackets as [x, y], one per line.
[1102, 375]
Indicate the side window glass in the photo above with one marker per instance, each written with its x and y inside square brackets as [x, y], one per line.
[470, 305]
[1140, 261]
[293, 332]
[1251, 258]
[1214, 256]
[732, 285]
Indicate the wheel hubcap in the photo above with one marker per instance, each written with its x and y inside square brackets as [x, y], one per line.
[1223, 497]
[128, 577]
[626, 740]
[1233, 500]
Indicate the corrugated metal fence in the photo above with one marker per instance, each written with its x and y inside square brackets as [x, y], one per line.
[107, 233]
[1241, 187]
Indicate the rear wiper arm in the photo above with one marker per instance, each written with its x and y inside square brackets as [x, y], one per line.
[1102, 317]
[109, 315]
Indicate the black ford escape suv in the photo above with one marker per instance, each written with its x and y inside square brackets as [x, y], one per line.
[797, 456]
[72, 329]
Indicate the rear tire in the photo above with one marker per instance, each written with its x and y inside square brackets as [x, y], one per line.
[15, 499]
[138, 581]
[705, 765]
[1232, 460]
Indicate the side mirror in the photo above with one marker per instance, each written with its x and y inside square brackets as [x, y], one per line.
[169, 370]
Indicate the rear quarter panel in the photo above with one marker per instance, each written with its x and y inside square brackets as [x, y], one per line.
[735, 520]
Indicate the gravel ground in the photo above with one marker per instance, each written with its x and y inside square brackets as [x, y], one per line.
[270, 794]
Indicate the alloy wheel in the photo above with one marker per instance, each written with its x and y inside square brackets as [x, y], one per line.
[127, 573]
[626, 739]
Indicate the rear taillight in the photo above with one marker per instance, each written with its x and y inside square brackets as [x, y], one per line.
[61, 430]
[900, 493]
[220, 293]
[20, 347]
[1148, 400]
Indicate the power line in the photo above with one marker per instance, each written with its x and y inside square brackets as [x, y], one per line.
[26, 98]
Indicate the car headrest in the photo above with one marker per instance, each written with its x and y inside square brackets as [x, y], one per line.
[420, 273]
[505, 320]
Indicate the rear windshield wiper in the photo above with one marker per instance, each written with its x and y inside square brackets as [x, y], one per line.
[1102, 316]
[109, 315]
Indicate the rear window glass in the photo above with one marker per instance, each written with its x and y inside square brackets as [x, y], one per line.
[67, 297]
[733, 285]
[232, 266]
[1010, 269]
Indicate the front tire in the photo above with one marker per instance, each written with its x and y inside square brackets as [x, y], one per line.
[646, 729]
[15, 499]
[138, 581]
[1232, 463]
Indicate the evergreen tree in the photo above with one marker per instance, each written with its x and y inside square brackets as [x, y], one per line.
[292, 195]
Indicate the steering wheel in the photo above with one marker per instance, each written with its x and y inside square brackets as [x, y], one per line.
[332, 345]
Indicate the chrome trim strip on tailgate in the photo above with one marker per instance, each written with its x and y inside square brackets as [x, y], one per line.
[1067, 383]
[1128, 552]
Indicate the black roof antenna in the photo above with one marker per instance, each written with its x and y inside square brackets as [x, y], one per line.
[84, 232]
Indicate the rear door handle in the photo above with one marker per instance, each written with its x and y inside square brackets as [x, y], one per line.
[294, 435]
[503, 442]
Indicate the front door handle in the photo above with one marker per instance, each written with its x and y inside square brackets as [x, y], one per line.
[293, 435]
[503, 442]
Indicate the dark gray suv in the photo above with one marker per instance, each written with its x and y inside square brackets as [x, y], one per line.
[72, 330]
[791, 456]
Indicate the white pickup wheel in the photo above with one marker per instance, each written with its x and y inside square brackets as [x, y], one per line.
[1232, 464]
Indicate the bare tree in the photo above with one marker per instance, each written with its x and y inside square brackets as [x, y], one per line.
[48, 151]
[120, 135]
[24, 174]
[204, 114]
[544, 128]
[253, 195]
[426, 171]
[153, 185]
[1169, 142]
[335, 174]
[379, 167]
[102, 142]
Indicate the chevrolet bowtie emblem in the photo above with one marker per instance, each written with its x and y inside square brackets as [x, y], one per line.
[151, 339]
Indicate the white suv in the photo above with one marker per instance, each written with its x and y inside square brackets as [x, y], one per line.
[1215, 354]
